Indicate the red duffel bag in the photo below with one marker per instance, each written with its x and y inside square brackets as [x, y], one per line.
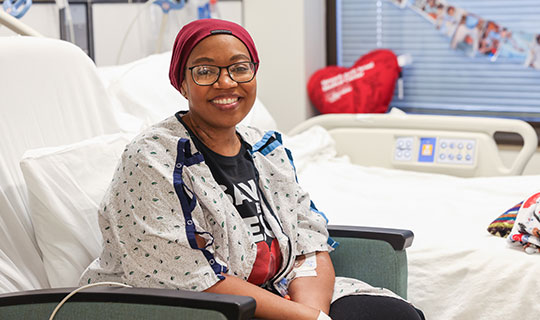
[366, 87]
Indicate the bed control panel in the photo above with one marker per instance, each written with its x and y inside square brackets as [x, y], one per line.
[435, 150]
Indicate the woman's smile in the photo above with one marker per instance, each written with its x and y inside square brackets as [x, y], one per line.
[227, 102]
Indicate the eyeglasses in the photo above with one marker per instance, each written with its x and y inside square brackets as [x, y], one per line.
[207, 75]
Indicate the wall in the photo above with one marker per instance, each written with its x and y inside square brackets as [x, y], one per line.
[290, 38]
[114, 20]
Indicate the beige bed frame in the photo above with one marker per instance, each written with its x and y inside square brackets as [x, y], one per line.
[16, 25]
[453, 145]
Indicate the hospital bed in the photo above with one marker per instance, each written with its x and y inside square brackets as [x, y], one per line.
[412, 172]
[64, 126]
[356, 168]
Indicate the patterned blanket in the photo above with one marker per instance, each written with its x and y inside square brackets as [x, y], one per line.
[526, 229]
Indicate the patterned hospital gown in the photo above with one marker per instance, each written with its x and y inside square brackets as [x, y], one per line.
[162, 195]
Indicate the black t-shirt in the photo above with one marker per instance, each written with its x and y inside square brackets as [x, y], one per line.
[238, 178]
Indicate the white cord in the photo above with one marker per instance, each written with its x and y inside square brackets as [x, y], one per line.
[145, 5]
[97, 284]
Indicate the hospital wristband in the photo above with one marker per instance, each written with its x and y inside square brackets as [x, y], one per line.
[323, 316]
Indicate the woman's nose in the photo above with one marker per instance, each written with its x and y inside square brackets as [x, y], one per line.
[225, 80]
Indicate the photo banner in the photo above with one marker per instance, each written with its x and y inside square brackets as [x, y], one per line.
[475, 35]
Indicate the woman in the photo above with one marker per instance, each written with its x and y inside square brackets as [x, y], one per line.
[200, 204]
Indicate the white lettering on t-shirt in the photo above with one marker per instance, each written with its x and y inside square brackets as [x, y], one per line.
[254, 225]
[244, 192]
[255, 228]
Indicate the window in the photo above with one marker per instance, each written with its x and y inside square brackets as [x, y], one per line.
[442, 80]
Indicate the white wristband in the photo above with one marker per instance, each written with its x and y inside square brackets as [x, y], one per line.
[323, 316]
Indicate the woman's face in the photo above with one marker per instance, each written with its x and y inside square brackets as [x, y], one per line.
[225, 103]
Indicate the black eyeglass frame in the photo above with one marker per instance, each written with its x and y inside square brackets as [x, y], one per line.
[219, 73]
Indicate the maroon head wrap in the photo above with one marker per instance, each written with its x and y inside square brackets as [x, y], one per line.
[193, 33]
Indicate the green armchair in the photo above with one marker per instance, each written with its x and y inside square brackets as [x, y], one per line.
[374, 255]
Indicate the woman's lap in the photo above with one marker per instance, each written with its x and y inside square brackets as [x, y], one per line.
[360, 307]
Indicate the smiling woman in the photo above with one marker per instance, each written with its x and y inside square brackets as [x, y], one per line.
[217, 100]
[200, 203]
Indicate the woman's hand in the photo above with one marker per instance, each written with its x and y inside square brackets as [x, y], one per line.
[315, 292]
[269, 305]
[309, 295]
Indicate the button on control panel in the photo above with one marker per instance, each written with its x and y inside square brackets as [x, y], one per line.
[403, 149]
[456, 151]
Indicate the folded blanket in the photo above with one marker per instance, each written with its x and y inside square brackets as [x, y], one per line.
[504, 223]
[526, 229]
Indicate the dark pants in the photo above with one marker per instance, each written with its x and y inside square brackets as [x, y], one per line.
[365, 307]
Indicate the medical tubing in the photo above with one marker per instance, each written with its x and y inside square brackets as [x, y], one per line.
[162, 26]
[146, 5]
[69, 19]
[64, 4]
[214, 10]
[97, 284]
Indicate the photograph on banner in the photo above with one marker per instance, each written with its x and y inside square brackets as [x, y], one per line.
[433, 10]
[513, 45]
[491, 38]
[428, 8]
[533, 58]
[468, 34]
[447, 22]
[402, 3]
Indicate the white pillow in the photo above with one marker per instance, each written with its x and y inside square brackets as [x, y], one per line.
[65, 186]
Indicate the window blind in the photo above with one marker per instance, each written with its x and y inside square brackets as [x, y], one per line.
[442, 80]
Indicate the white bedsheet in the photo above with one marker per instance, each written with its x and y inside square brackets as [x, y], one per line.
[457, 270]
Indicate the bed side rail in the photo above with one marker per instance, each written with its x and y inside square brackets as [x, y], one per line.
[17, 26]
[426, 143]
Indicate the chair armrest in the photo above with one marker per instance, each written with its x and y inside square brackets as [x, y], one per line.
[374, 255]
[399, 239]
[175, 301]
